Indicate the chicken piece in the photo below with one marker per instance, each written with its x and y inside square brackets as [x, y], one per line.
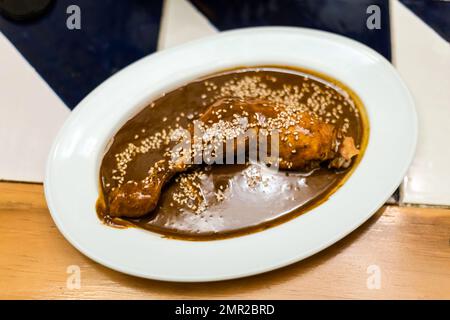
[136, 199]
[304, 141]
[347, 150]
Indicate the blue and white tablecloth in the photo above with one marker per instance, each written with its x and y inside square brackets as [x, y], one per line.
[46, 68]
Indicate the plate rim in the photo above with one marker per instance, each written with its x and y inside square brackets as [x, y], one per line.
[276, 264]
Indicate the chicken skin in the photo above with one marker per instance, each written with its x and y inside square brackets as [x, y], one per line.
[301, 139]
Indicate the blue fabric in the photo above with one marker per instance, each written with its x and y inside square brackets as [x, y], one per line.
[345, 17]
[116, 33]
[73, 62]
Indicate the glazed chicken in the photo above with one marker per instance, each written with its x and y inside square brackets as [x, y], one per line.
[303, 142]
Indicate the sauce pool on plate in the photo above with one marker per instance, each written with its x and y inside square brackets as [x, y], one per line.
[217, 201]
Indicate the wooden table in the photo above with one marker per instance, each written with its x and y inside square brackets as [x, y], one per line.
[408, 246]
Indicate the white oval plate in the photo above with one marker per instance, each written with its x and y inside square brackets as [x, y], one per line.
[71, 184]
